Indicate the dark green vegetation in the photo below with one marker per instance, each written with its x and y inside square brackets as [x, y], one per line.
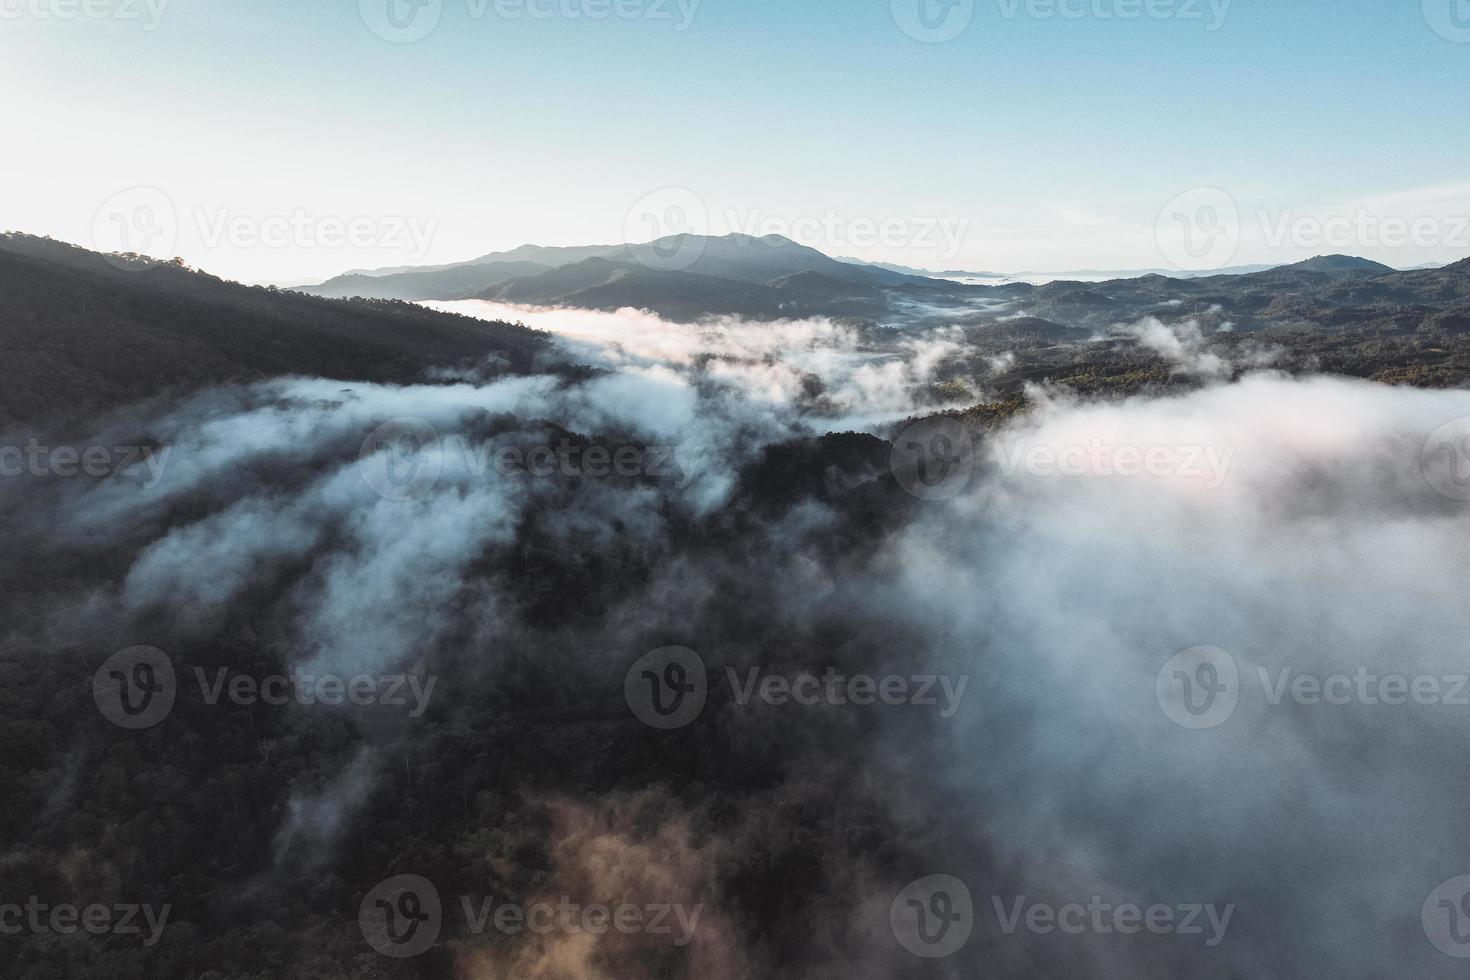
[82, 333]
[263, 827]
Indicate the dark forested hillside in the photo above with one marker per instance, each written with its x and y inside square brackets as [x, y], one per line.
[83, 333]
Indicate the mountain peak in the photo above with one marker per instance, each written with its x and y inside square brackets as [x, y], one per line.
[1340, 263]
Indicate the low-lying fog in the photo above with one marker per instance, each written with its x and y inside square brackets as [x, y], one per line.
[1300, 528]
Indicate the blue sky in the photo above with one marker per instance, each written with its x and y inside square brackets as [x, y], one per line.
[1036, 138]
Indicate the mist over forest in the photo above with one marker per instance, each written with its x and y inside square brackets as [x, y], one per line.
[910, 663]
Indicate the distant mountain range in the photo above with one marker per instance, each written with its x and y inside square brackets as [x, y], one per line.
[683, 277]
[85, 332]
[687, 278]
[657, 276]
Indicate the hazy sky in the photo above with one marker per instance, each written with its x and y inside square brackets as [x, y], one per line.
[1041, 135]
